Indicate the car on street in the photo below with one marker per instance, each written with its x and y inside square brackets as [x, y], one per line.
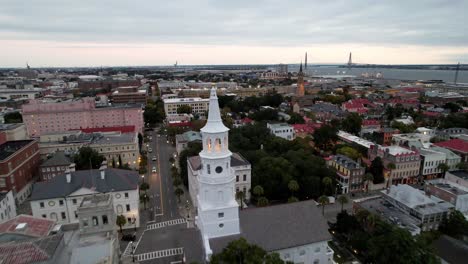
[154, 158]
[154, 169]
[150, 150]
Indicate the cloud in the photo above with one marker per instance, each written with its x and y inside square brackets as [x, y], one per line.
[268, 23]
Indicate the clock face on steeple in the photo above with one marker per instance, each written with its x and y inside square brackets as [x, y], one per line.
[219, 169]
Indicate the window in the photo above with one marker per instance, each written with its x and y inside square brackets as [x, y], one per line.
[286, 255]
[128, 207]
[237, 178]
[53, 216]
[220, 215]
[85, 222]
[41, 204]
[245, 177]
[129, 220]
[64, 216]
[44, 216]
[119, 209]
[208, 169]
[76, 215]
[317, 249]
[74, 201]
[126, 195]
[221, 225]
[2, 182]
[316, 261]
[61, 202]
[302, 253]
[95, 221]
[105, 221]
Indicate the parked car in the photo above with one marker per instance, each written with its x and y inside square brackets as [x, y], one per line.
[150, 150]
[128, 237]
[154, 158]
[154, 169]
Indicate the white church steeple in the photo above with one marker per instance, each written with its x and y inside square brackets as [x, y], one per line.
[218, 210]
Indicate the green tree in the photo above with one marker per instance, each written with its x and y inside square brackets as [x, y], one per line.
[343, 199]
[120, 221]
[144, 198]
[258, 191]
[240, 196]
[349, 152]
[193, 149]
[13, 117]
[325, 137]
[352, 123]
[87, 158]
[368, 177]
[262, 201]
[327, 183]
[177, 181]
[455, 225]
[184, 109]
[144, 186]
[293, 187]
[292, 199]
[240, 251]
[323, 200]
[443, 167]
[178, 192]
[296, 119]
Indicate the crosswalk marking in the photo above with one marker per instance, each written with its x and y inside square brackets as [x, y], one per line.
[165, 224]
[159, 254]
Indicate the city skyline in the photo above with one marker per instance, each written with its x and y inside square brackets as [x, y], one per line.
[54, 33]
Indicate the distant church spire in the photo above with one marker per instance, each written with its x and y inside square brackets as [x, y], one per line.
[300, 68]
[300, 83]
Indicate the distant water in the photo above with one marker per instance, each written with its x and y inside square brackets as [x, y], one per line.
[402, 74]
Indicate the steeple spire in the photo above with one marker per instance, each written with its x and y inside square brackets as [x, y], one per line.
[214, 123]
[305, 63]
[300, 68]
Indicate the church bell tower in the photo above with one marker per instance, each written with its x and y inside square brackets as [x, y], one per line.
[218, 210]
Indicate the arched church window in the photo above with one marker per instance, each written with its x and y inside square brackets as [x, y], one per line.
[208, 144]
[226, 143]
[208, 169]
[218, 144]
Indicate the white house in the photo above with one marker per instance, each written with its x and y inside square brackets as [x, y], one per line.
[7, 206]
[59, 198]
[282, 130]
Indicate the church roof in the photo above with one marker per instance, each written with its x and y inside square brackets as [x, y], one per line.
[279, 227]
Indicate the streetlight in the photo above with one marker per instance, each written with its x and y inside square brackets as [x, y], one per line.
[143, 177]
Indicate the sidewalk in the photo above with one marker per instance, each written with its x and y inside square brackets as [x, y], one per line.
[186, 209]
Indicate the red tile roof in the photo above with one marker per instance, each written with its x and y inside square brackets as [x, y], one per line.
[303, 128]
[37, 227]
[459, 145]
[431, 114]
[121, 129]
[370, 122]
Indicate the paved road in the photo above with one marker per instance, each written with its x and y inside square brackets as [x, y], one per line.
[163, 199]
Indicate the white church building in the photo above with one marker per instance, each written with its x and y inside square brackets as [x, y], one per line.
[297, 231]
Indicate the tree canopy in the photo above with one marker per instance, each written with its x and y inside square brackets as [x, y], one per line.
[13, 117]
[352, 123]
[87, 157]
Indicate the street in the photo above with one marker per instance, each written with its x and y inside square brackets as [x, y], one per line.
[162, 198]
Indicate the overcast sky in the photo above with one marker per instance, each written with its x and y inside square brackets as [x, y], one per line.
[153, 32]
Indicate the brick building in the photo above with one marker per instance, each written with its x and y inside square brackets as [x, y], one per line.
[19, 161]
[349, 173]
[54, 166]
[129, 94]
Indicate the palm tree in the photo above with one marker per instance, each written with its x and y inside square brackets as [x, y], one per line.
[443, 167]
[371, 220]
[171, 160]
[327, 182]
[178, 192]
[343, 199]
[323, 200]
[177, 181]
[258, 191]
[144, 186]
[368, 177]
[120, 221]
[293, 186]
[240, 195]
[262, 201]
[144, 198]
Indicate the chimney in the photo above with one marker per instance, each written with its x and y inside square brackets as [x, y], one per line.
[102, 169]
[72, 166]
[68, 175]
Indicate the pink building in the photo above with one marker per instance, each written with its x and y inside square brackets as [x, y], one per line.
[43, 117]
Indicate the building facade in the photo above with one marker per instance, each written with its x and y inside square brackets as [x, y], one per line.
[41, 117]
[7, 206]
[60, 198]
[19, 161]
[282, 130]
[349, 173]
[54, 166]
[198, 105]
